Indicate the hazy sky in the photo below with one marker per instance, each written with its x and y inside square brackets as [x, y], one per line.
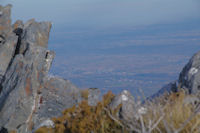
[106, 13]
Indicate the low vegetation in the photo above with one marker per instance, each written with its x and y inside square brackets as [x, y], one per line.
[166, 114]
[169, 113]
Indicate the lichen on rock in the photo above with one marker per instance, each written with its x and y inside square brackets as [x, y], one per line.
[24, 65]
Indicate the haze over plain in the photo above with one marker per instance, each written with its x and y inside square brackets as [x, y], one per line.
[115, 44]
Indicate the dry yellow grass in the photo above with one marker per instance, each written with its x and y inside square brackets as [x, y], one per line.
[177, 116]
[84, 94]
[167, 114]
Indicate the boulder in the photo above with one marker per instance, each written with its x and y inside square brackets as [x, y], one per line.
[93, 96]
[47, 123]
[126, 104]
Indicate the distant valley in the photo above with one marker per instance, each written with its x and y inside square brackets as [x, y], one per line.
[137, 58]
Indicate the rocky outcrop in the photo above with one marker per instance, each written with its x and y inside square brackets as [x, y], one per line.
[190, 76]
[126, 104]
[94, 95]
[8, 39]
[189, 79]
[171, 87]
[5, 20]
[27, 94]
[21, 88]
[57, 95]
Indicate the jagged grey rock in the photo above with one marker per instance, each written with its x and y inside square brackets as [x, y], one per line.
[189, 80]
[35, 34]
[20, 89]
[171, 87]
[190, 76]
[57, 95]
[7, 51]
[8, 39]
[27, 94]
[126, 104]
[5, 20]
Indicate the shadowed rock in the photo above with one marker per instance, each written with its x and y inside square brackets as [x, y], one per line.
[3, 130]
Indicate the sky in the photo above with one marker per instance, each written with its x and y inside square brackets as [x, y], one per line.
[106, 13]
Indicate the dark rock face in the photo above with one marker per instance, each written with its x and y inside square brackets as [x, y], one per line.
[190, 76]
[27, 94]
[3, 130]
